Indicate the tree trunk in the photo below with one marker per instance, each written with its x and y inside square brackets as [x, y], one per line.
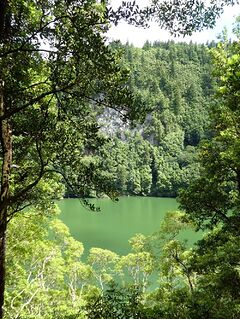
[6, 158]
[6, 150]
[2, 263]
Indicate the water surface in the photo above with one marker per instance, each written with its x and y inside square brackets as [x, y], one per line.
[117, 222]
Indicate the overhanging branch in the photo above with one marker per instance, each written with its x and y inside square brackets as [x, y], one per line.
[10, 113]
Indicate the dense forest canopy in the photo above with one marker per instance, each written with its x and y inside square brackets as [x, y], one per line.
[52, 281]
[157, 157]
[58, 75]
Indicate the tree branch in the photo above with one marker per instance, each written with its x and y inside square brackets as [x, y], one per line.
[21, 193]
[185, 269]
[10, 113]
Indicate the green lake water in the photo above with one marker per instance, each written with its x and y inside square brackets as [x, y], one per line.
[117, 222]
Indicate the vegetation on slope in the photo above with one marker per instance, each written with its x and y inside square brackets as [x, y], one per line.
[46, 97]
[158, 157]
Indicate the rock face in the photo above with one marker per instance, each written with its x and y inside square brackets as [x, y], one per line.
[111, 122]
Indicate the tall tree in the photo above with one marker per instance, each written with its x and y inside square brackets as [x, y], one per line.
[56, 70]
[217, 191]
[212, 201]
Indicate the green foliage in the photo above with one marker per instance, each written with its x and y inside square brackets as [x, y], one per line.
[216, 193]
[212, 201]
[174, 82]
[42, 272]
[53, 100]
[159, 156]
[180, 18]
[115, 303]
[188, 16]
[59, 75]
[102, 262]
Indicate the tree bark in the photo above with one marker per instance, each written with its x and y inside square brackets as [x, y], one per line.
[4, 20]
[6, 150]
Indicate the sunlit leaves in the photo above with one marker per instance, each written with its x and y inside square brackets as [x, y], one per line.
[102, 262]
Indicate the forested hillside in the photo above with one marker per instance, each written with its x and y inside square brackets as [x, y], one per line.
[59, 80]
[156, 158]
[47, 277]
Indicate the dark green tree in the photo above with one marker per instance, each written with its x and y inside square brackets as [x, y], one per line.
[212, 201]
[116, 302]
[158, 157]
[56, 71]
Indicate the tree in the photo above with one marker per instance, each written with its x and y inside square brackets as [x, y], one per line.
[180, 17]
[139, 266]
[45, 275]
[102, 261]
[158, 157]
[212, 201]
[56, 74]
[116, 302]
[62, 73]
[220, 172]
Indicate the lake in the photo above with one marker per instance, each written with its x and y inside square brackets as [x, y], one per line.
[117, 222]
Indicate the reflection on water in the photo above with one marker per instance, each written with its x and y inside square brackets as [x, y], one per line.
[117, 222]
